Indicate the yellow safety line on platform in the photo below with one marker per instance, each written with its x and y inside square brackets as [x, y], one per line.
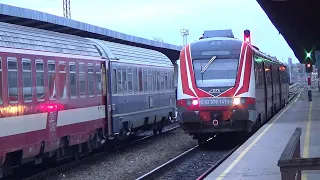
[307, 139]
[229, 168]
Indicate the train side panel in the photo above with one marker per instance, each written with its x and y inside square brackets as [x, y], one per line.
[142, 96]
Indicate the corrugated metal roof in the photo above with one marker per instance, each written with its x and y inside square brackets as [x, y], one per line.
[132, 54]
[15, 36]
[27, 17]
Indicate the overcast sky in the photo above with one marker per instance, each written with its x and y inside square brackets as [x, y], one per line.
[165, 18]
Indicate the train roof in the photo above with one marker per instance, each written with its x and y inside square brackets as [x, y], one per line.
[131, 54]
[21, 37]
[41, 20]
[203, 44]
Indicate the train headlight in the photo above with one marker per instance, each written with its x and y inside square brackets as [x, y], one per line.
[236, 101]
[195, 102]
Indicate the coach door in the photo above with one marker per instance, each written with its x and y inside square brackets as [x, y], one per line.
[107, 95]
[272, 88]
[280, 86]
[265, 85]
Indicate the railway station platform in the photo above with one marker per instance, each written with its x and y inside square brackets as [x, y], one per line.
[258, 157]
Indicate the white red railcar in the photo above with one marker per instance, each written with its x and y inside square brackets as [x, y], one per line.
[227, 85]
[63, 95]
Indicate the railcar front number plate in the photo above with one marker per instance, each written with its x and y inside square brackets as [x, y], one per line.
[216, 102]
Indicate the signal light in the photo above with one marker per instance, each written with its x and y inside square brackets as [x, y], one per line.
[309, 67]
[247, 37]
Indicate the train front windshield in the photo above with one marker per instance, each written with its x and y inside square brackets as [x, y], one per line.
[215, 72]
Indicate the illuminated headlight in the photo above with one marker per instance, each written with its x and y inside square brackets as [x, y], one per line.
[236, 101]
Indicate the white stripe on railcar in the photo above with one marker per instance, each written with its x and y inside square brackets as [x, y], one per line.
[80, 115]
[22, 124]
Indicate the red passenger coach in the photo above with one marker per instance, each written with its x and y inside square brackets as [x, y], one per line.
[51, 97]
[227, 85]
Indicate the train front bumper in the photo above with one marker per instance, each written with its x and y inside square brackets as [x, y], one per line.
[239, 120]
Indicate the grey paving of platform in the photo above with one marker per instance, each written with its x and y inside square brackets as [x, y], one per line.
[261, 152]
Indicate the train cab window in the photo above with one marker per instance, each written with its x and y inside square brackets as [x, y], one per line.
[52, 79]
[145, 79]
[13, 80]
[39, 80]
[158, 80]
[82, 80]
[130, 85]
[62, 80]
[1, 100]
[27, 80]
[72, 79]
[154, 80]
[90, 80]
[98, 80]
[140, 80]
[114, 81]
[150, 79]
[135, 80]
[124, 80]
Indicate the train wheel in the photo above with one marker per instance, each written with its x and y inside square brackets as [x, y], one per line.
[76, 156]
[160, 126]
[155, 131]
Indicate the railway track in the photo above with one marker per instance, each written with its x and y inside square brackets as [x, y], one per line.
[191, 163]
[178, 167]
[45, 170]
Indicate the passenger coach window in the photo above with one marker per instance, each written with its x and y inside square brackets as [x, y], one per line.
[1, 101]
[27, 80]
[166, 80]
[62, 80]
[145, 80]
[73, 79]
[158, 80]
[130, 88]
[124, 80]
[52, 79]
[98, 80]
[162, 80]
[150, 80]
[114, 81]
[12, 80]
[154, 80]
[140, 80]
[135, 79]
[39, 80]
[82, 80]
[119, 80]
[90, 80]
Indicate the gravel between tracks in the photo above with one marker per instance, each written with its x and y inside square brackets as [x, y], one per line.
[134, 161]
[191, 168]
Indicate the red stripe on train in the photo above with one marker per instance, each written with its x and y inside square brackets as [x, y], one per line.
[183, 72]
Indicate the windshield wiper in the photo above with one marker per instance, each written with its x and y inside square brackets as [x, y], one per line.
[208, 64]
